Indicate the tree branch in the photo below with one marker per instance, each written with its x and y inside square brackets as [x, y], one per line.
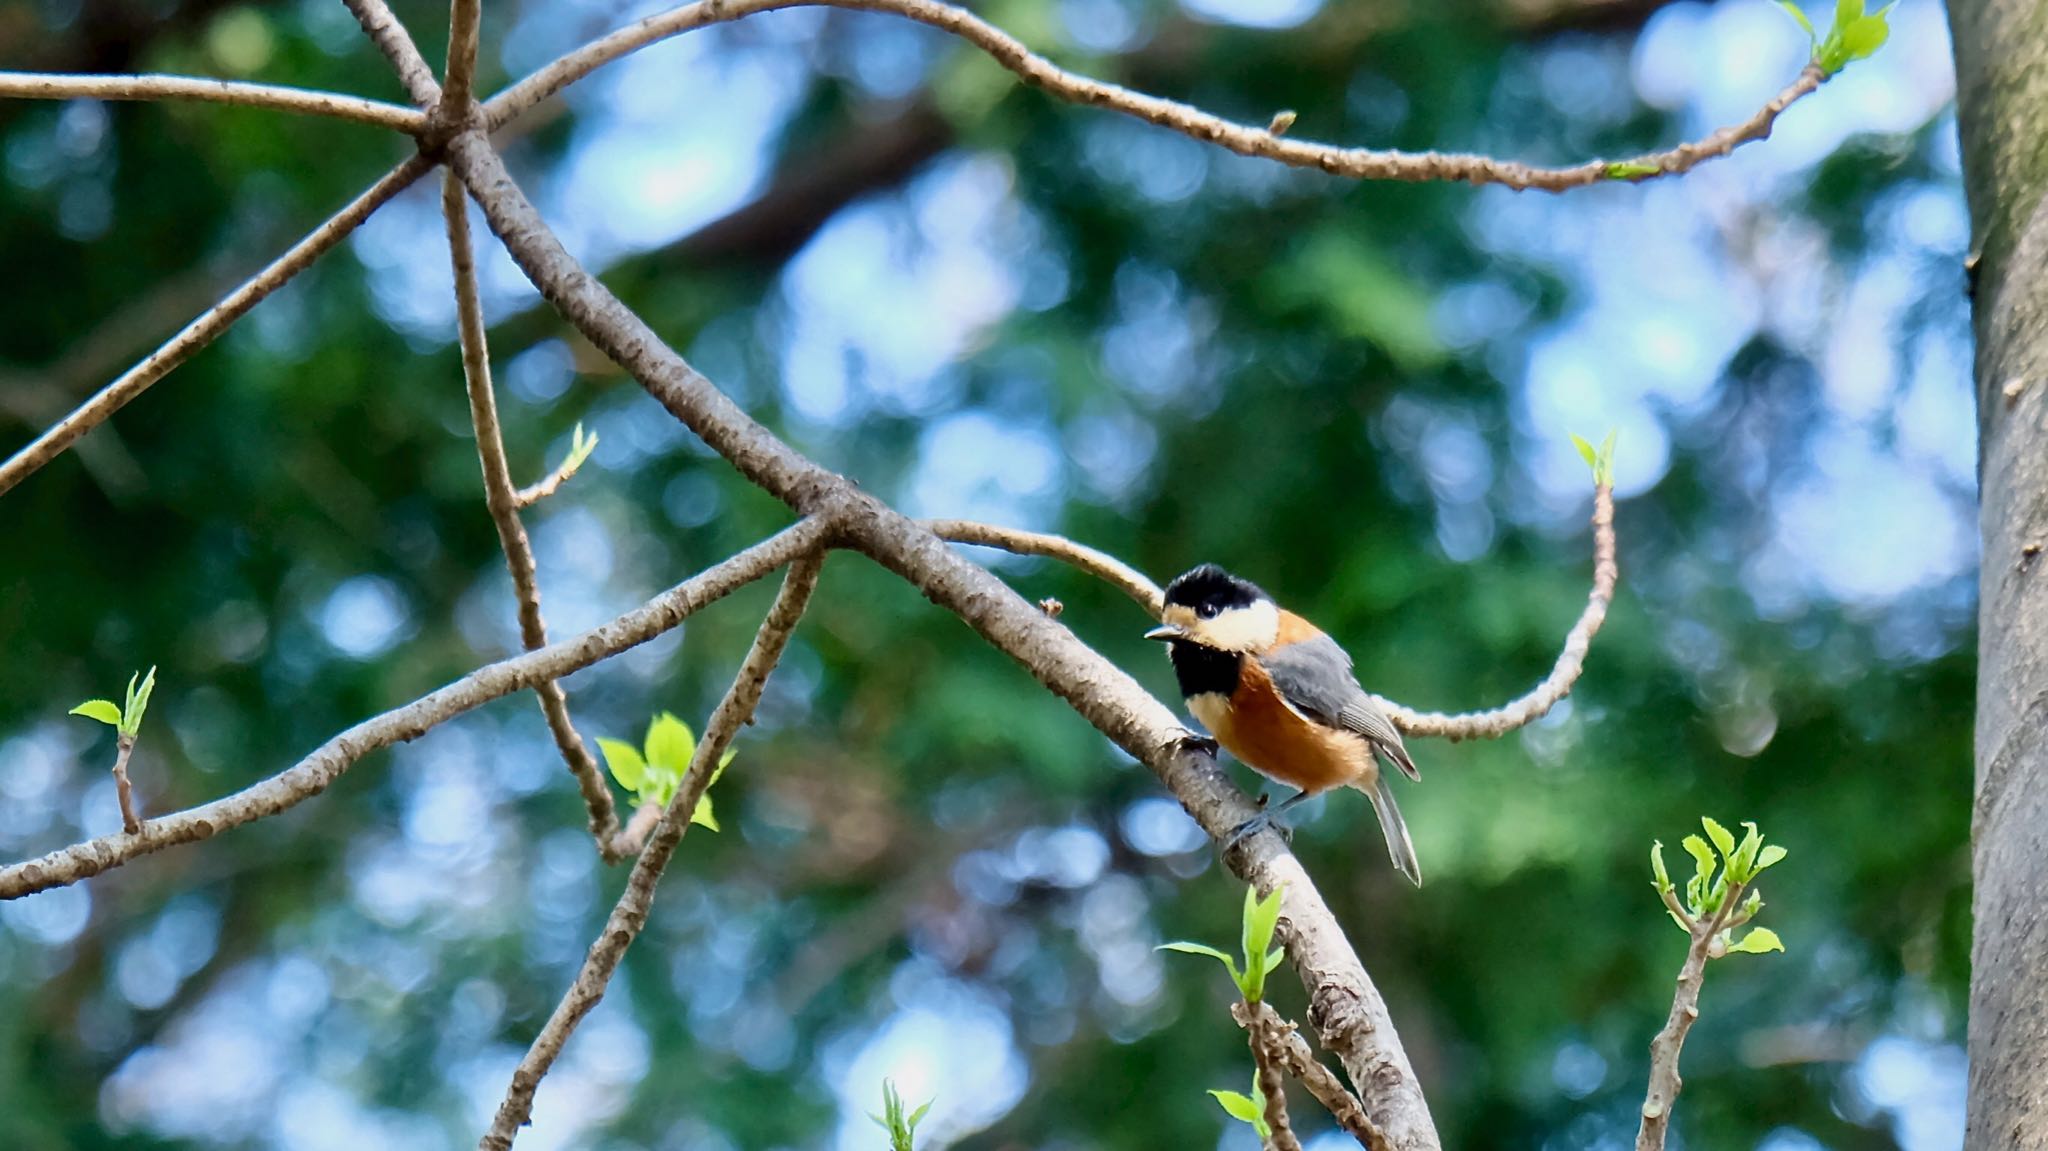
[1292, 1053]
[1685, 1009]
[1345, 1007]
[1101, 565]
[208, 326]
[391, 38]
[1571, 660]
[1008, 51]
[629, 915]
[57, 86]
[1266, 1059]
[504, 502]
[123, 789]
[465, 25]
[316, 772]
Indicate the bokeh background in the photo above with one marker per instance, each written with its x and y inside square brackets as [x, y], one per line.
[983, 303]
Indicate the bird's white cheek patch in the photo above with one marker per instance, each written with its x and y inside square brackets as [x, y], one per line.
[1210, 708]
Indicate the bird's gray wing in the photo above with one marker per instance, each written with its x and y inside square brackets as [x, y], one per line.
[1314, 675]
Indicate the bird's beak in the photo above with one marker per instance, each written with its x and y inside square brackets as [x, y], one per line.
[1164, 631]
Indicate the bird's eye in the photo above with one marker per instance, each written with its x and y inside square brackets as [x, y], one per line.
[1209, 610]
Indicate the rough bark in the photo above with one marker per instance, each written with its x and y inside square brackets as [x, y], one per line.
[2002, 93]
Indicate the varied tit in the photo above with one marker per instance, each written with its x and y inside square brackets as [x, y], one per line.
[1279, 695]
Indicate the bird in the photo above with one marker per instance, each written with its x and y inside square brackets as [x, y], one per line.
[1279, 694]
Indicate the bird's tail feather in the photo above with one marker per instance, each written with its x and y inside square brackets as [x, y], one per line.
[1399, 845]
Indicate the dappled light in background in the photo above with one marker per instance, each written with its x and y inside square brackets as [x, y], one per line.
[1058, 319]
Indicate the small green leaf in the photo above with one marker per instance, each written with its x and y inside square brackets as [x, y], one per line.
[1758, 941]
[702, 817]
[1722, 837]
[1603, 472]
[1586, 451]
[1185, 948]
[128, 701]
[1768, 856]
[103, 710]
[917, 1116]
[1796, 14]
[1261, 916]
[1847, 12]
[624, 761]
[1744, 863]
[138, 706]
[1661, 878]
[1862, 38]
[580, 447]
[1274, 959]
[1243, 1108]
[670, 743]
[660, 786]
[1630, 170]
[1702, 856]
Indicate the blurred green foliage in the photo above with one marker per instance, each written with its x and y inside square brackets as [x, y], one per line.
[1208, 359]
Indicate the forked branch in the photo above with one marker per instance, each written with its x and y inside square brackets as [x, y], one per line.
[629, 915]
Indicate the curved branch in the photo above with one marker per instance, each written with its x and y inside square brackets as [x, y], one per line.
[1246, 140]
[1571, 660]
[1491, 724]
[1101, 565]
[629, 915]
[503, 501]
[313, 774]
[148, 86]
[208, 327]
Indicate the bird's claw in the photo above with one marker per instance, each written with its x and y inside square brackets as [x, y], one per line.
[1193, 742]
[1254, 825]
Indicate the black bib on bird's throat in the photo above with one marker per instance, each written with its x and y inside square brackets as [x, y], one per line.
[1204, 670]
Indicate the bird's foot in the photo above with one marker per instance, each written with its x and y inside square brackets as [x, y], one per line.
[1257, 823]
[1193, 741]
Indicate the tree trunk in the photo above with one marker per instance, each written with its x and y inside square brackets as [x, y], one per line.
[2001, 51]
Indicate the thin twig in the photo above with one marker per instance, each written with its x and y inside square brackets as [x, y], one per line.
[503, 503]
[465, 25]
[1571, 660]
[316, 772]
[630, 913]
[130, 821]
[1101, 565]
[631, 838]
[546, 486]
[208, 326]
[152, 86]
[1266, 1059]
[391, 38]
[1685, 1009]
[1245, 139]
[1293, 1054]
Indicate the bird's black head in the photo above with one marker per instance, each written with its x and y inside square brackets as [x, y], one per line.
[1210, 607]
[1208, 591]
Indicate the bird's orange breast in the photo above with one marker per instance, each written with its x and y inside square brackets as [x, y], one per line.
[1258, 727]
